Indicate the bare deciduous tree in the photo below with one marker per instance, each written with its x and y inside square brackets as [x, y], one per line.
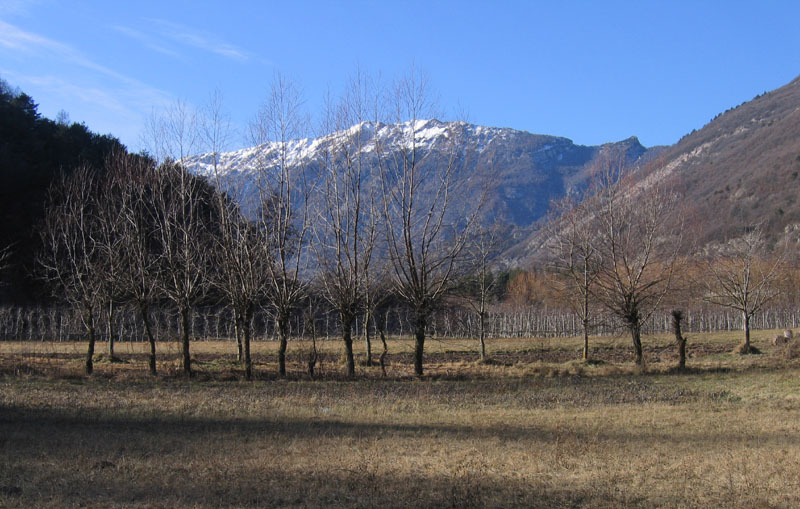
[423, 241]
[480, 284]
[240, 249]
[110, 242]
[138, 243]
[346, 230]
[743, 278]
[283, 203]
[183, 204]
[215, 132]
[71, 256]
[243, 272]
[572, 245]
[637, 240]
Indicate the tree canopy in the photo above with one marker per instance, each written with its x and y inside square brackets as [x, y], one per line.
[34, 152]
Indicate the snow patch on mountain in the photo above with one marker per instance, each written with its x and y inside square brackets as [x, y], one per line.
[423, 135]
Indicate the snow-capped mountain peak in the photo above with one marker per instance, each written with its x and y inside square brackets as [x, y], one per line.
[522, 172]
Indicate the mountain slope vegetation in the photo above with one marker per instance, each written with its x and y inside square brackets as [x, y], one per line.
[741, 169]
[34, 151]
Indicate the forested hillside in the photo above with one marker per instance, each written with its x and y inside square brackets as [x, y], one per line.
[739, 170]
[33, 151]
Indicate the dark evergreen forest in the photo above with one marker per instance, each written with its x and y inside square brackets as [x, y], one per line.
[34, 151]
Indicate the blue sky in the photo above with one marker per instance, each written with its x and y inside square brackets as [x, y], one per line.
[591, 71]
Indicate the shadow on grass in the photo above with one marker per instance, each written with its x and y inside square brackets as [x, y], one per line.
[466, 487]
[64, 428]
[80, 457]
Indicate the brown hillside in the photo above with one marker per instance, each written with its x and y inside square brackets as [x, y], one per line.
[739, 170]
[742, 168]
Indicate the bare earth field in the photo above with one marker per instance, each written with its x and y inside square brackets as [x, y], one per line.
[534, 428]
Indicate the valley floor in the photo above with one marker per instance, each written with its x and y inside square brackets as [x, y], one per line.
[522, 431]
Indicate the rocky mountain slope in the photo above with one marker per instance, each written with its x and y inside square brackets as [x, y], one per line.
[522, 172]
[740, 170]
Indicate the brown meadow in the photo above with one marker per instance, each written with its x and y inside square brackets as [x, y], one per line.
[535, 427]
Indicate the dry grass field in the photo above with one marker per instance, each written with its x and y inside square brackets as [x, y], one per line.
[534, 428]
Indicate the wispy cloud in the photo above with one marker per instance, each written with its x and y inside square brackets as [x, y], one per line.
[120, 112]
[92, 95]
[109, 99]
[13, 38]
[199, 40]
[21, 41]
[17, 7]
[147, 40]
[93, 91]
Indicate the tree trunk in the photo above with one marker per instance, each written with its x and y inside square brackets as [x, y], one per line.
[283, 337]
[238, 332]
[419, 334]
[367, 338]
[187, 360]
[585, 340]
[482, 334]
[585, 321]
[150, 337]
[347, 336]
[636, 335]
[313, 356]
[746, 325]
[381, 332]
[92, 337]
[246, 333]
[111, 331]
[677, 316]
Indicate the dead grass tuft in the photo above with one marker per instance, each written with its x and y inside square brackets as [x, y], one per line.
[787, 351]
[490, 361]
[594, 362]
[744, 349]
[112, 359]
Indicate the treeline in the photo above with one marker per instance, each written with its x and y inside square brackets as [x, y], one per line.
[34, 152]
[63, 186]
[355, 235]
[354, 240]
[64, 324]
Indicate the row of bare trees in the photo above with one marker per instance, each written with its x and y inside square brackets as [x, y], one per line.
[214, 322]
[619, 250]
[127, 235]
[355, 229]
[364, 223]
